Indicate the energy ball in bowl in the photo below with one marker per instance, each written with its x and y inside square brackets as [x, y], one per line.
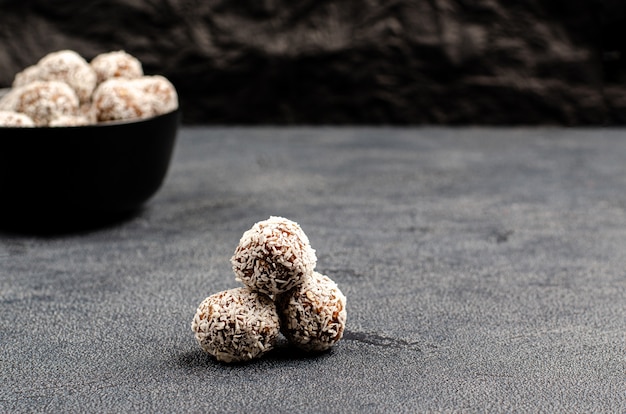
[118, 64]
[69, 67]
[236, 325]
[313, 315]
[161, 93]
[273, 256]
[15, 119]
[44, 101]
[118, 99]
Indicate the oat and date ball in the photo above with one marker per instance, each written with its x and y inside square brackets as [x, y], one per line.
[15, 119]
[160, 91]
[236, 325]
[313, 314]
[117, 64]
[44, 101]
[69, 67]
[120, 99]
[273, 256]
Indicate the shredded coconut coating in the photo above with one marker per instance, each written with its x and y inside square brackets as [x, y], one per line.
[118, 99]
[118, 64]
[44, 101]
[273, 256]
[69, 67]
[15, 119]
[236, 325]
[160, 92]
[69, 120]
[313, 315]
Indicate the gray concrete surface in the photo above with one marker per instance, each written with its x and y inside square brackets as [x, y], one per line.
[484, 271]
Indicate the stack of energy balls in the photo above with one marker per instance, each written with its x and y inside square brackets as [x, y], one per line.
[63, 89]
[282, 292]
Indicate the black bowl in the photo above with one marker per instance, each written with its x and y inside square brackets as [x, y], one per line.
[83, 172]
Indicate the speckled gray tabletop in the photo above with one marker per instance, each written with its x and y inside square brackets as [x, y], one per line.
[484, 269]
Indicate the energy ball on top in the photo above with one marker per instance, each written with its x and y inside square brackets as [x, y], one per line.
[44, 101]
[236, 325]
[15, 119]
[118, 64]
[69, 67]
[313, 315]
[273, 256]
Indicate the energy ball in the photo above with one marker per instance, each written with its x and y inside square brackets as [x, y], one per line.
[160, 91]
[44, 101]
[236, 325]
[119, 99]
[313, 315]
[118, 64]
[273, 256]
[15, 119]
[69, 67]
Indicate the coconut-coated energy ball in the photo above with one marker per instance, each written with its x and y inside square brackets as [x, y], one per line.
[161, 93]
[313, 314]
[69, 67]
[118, 64]
[236, 325]
[273, 256]
[118, 99]
[15, 119]
[44, 101]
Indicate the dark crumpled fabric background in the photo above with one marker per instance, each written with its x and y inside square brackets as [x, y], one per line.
[488, 62]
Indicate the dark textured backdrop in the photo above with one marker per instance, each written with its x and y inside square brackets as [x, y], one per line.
[372, 62]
